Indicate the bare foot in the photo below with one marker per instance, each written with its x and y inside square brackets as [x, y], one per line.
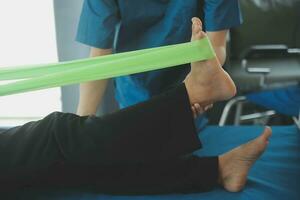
[207, 82]
[235, 164]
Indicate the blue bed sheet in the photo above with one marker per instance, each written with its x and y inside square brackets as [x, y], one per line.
[285, 100]
[275, 176]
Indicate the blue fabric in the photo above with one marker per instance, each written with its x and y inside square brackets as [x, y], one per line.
[136, 24]
[275, 176]
[200, 122]
[285, 101]
[97, 23]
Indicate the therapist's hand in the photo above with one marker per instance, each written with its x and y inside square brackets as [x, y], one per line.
[197, 109]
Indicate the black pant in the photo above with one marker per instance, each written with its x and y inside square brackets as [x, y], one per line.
[144, 148]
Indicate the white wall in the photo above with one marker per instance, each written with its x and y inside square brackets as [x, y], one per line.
[27, 36]
[67, 13]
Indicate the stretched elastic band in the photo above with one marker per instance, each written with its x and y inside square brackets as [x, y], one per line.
[29, 78]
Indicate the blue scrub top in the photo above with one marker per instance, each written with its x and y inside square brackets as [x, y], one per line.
[126, 25]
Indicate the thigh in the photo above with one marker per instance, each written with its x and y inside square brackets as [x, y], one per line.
[161, 128]
[189, 174]
[27, 152]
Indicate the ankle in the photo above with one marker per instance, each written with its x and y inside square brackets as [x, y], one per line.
[221, 170]
[197, 93]
[189, 90]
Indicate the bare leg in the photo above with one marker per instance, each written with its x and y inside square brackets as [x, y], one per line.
[207, 83]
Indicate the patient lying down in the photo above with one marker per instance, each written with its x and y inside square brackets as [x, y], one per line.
[144, 148]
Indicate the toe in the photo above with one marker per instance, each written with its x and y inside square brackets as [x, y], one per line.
[267, 133]
[197, 32]
[197, 21]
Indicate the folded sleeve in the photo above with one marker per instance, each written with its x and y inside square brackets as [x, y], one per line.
[97, 23]
[221, 14]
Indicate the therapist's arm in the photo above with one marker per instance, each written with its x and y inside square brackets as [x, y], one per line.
[91, 93]
[218, 40]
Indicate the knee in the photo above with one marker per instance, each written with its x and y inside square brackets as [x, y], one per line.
[51, 121]
[55, 114]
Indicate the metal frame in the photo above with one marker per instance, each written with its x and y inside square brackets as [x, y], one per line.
[241, 100]
[228, 107]
[297, 120]
[238, 117]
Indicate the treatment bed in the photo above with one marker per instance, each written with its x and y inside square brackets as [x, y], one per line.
[276, 175]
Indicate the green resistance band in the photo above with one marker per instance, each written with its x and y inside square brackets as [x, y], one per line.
[36, 77]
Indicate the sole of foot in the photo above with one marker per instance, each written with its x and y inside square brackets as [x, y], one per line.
[234, 165]
[208, 82]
